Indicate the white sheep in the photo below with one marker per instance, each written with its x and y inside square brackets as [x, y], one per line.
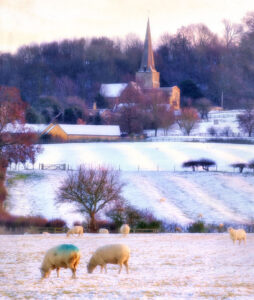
[45, 233]
[103, 230]
[117, 254]
[237, 234]
[125, 229]
[62, 256]
[75, 230]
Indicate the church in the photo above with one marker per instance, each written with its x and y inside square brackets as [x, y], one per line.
[147, 79]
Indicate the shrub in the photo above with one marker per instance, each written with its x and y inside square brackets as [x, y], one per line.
[136, 218]
[56, 223]
[226, 131]
[251, 165]
[205, 163]
[212, 131]
[190, 164]
[198, 226]
[239, 166]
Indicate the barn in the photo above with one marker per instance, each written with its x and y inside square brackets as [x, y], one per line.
[79, 133]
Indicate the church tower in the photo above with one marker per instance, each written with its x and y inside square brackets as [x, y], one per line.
[147, 76]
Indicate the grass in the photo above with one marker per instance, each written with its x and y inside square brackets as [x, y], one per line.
[16, 176]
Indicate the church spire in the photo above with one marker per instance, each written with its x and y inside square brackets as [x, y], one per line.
[147, 77]
[147, 63]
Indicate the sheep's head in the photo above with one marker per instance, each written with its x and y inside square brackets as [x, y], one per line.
[90, 268]
[44, 273]
[230, 229]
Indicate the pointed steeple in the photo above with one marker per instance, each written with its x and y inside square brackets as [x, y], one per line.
[147, 77]
[147, 63]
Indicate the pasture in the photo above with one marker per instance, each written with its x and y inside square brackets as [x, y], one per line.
[162, 266]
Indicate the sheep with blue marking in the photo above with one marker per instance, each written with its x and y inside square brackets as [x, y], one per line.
[62, 256]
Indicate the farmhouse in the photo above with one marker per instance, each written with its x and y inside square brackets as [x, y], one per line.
[147, 79]
[68, 133]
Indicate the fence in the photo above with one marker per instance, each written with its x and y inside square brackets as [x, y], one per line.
[47, 229]
[145, 230]
[52, 167]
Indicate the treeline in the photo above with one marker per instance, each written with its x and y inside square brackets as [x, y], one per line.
[66, 76]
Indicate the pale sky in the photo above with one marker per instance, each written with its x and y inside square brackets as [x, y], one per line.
[36, 21]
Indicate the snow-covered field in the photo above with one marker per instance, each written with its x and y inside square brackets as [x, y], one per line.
[165, 156]
[218, 196]
[162, 266]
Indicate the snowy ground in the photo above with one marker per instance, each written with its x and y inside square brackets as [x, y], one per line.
[162, 266]
[219, 197]
[149, 156]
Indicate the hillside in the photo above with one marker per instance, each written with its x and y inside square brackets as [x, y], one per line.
[218, 196]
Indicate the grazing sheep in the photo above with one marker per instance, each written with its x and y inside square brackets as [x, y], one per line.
[62, 256]
[125, 229]
[75, 230]
[45, 233]
[117, 254]
[237, 234]
[103, 230]
[162, 200]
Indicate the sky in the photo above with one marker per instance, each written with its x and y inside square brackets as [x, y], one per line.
[24, 22]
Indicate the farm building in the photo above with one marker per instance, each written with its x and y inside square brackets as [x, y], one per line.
[67, 133]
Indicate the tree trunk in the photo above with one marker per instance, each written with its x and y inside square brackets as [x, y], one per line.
[92, 225]
[3, 191]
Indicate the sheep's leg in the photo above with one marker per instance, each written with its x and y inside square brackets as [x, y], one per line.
[73, 273]
[57, 272]
[239, 241]
[127, 267]
[102, 268]
[120, 269]
[105, 267]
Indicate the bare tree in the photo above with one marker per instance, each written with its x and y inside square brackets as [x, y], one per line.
[187, 120]
[91, 190]
[156, 107]
[246, 121]
[232, 33]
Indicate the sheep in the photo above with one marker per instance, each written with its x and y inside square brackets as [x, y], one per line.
[62, 256]
[103, 230]
[75, 230]
[237, 234]
[45, 233]
[110, 254]
[162, 200]
[125, 229]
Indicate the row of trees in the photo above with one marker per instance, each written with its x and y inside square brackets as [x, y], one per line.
[17, 144]
[195, 59]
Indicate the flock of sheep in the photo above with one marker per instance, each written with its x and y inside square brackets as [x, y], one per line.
[68, 255]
